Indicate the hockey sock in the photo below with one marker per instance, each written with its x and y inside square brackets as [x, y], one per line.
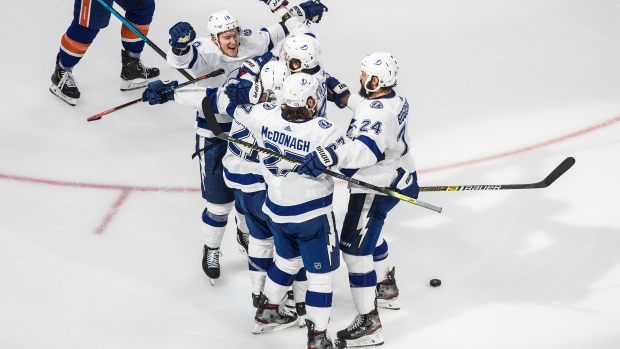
[362, 281]
[300, 286]
[213, 228]
[319, 298]
[260, 258]
[140, 17]
[74, 44]
[380, 257]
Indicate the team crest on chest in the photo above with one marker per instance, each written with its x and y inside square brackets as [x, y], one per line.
[376, 105]
[325, 124]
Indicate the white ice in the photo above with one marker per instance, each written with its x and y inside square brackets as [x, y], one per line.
[100, 221]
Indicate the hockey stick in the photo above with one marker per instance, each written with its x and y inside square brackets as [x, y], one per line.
[207, 148]
[141, 36]
[210, 75]
[555, 174]
[207, 110]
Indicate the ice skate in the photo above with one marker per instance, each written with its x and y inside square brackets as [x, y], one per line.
[321, 340]
[387, 292]
[211, 263]
[64, 85]
[272, 317]
[134, 74]
[300, 308]
[243, 240]
[364, 331]
[255, 300]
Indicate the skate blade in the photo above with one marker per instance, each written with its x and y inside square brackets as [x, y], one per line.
[371, 340]
[212, 281]
[392, 304]
[128, 85]
[260, 329]
[56, 92]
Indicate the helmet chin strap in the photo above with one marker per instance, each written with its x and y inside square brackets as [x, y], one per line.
[368, 81]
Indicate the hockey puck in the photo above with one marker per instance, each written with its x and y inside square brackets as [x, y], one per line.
[435, 282]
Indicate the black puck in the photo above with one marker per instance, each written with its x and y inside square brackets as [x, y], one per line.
[435, 282]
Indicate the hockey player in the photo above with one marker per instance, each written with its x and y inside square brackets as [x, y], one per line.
[88, 18]
[243, 172]
[223, 49]
[299, 208]
[380, 141]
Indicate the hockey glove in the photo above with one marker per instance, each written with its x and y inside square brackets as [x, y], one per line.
[181, 35]
[159, 92]
[244, 92]
[406, 183]
[336, 90]
[318, 161]
[309, 10]
[253, 66]
[274, 4]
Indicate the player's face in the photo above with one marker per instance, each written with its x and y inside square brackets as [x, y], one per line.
[229, 42]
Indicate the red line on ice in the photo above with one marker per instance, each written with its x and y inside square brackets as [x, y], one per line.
[126, 190]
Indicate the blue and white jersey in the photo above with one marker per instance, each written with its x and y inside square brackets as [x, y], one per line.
[291, 198]
[321, 94]
[242, 167]
[380, 138]
[204, 57]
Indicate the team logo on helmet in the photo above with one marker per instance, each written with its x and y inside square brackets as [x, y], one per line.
[378, 62]
[303, 47]
[325, 124]
[247, 32]
[303, 81]
[376, 105]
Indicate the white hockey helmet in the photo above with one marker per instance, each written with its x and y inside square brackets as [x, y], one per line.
[220, 22]
[273, 74]
[298, 88]
[383, 66]
[303, 47]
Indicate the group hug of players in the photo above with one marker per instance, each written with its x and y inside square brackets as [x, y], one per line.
[286, 226]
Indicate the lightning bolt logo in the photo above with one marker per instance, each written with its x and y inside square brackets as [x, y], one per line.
[332, 238]
[362, 224]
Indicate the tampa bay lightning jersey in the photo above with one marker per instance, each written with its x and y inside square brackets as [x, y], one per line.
[291, 197]
[380, 138]
[204, 57]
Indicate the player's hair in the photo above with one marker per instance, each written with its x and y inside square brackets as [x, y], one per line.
[298, 113]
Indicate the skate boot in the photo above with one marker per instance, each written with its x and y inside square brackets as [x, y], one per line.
[321, 340]
[387, 292]
[255, 300]
[364, 331]
[243, 240]
[64, 85]
[134, 74]
[211, 263]
[272, 317]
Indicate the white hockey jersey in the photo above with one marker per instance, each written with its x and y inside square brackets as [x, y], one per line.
[381, 141]
[204, 57]
[290, 197]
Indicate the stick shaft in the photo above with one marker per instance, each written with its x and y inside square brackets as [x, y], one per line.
[141, 36]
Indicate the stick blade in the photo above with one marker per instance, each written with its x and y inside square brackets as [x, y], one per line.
[563, 167]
